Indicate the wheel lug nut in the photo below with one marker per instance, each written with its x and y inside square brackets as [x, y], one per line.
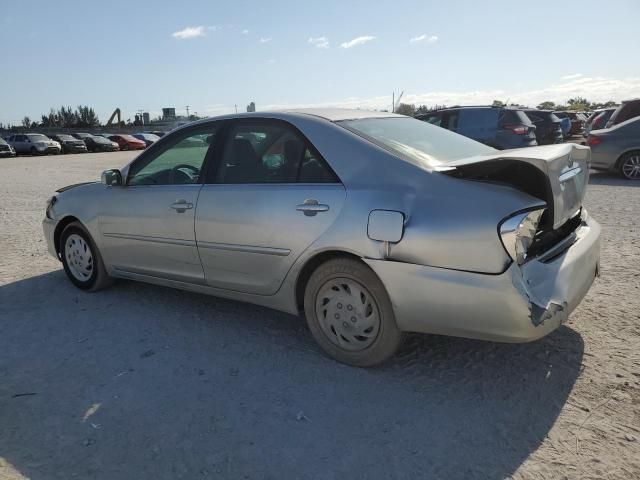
[339, 305]
[345, 324]
[349, 307]
[337, 315]
[354, 319]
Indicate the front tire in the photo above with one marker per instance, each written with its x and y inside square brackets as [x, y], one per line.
[629, 166]
[349, 313]
[81, 259]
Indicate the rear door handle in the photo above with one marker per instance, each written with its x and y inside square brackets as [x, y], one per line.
[181, 205]
[311, 207]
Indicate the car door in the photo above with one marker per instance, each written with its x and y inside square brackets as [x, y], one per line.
[270, 197]
[20, 143]
[147, 225]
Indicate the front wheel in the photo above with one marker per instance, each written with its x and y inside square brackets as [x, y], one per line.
[81, 259]
[349, 313]
[630, 166]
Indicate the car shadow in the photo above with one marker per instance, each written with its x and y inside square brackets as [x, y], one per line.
[139, 381]
[610, 179]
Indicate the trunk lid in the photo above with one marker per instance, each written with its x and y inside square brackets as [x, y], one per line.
[564, 166]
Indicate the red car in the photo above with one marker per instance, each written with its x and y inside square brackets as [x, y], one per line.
[128, 142]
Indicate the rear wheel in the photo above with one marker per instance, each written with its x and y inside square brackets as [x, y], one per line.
[349, 313]
[34, 151]
[124, 147]
[630, 165]
[81, 259]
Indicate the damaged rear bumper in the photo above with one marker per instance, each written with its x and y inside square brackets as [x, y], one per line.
[522, 304]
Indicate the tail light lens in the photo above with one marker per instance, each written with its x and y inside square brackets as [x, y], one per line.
[517, 233]
[593, 140]
[517, 129]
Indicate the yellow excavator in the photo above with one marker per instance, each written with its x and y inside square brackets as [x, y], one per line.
[115, 113]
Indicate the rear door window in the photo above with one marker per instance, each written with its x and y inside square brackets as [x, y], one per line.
[270, 152]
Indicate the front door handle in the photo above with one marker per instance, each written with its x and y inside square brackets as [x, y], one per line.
[181, 206]
[311, 207]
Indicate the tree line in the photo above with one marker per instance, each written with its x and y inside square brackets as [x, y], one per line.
[578, 103]
[65, 117]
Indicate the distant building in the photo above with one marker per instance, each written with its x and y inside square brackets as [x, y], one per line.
[169, 113]
[146, 119]
[251, 107]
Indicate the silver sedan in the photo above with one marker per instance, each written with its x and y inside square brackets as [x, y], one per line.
[370, 224]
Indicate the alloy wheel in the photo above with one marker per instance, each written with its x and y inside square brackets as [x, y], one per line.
[631, 167]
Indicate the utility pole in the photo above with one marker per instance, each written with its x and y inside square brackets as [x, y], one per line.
[187, 107]
[236, 105]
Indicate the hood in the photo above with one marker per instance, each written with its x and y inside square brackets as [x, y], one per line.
[69, 187]
[560, 174]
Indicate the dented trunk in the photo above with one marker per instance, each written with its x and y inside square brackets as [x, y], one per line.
[557, 174]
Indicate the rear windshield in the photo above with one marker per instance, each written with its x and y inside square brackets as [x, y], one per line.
[419, 142]
[511, 117]
[37, 137]
[67, 138]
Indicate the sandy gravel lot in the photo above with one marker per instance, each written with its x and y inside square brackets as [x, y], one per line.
[145, 382]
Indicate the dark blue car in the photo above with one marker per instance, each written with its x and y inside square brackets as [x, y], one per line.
[498, 127]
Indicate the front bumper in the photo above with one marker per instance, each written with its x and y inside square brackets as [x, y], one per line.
[522, 304]
[49, 227]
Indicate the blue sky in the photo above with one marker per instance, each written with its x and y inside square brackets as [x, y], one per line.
[212, 55]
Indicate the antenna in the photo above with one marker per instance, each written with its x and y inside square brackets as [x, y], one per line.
[187, 107]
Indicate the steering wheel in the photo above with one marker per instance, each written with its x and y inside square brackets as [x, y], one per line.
[179, 170]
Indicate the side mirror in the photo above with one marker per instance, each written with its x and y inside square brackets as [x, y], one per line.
[111, 178]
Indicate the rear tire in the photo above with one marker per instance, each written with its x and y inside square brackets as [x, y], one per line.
[81, 259]
[629, 165]
[34, 151]
[350, 315]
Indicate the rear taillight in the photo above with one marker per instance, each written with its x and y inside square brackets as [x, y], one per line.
[517, 129]
[592, 140]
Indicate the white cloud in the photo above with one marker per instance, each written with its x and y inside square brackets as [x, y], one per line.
[424, 38]
[596, 89]
[189, 32]
[265, 39]
[319, 42]
[357, 41]
[245, 31]
[571, 77]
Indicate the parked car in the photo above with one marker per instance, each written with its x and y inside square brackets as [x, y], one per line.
[148, 138]
[598, 120]
[158, 133]
[100, 144]
[548, 129]
[128, 142]
[82, 135]
[577, 122]
[627, 110]
[372, 224]
[69, 144]
[498, 127]
[6, 150]
[34, 144]
[617, 148]
[565, 123]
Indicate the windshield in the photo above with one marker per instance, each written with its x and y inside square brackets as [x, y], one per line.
[416, 141]
[130, 138]
[67, 138]
[38, 137]
[101, 140]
